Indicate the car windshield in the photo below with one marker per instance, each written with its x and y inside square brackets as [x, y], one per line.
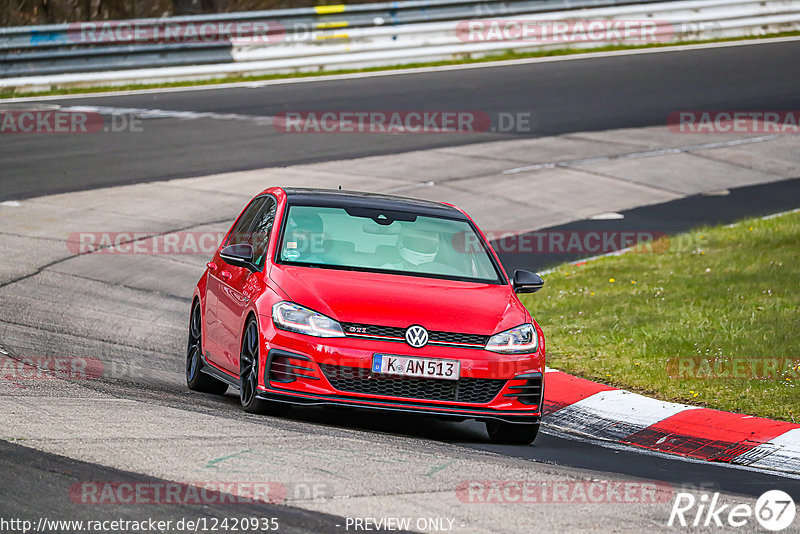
[382, 241]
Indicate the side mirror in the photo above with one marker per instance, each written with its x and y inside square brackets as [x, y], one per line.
[240, 255]
[526, 282]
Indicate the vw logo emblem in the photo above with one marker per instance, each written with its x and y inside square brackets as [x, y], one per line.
[416, 336]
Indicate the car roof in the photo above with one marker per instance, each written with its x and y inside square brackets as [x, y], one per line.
[298, 196]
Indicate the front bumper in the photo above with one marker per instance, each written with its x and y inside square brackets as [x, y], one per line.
[496, 386]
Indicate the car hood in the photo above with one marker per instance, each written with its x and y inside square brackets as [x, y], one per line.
[400, 301]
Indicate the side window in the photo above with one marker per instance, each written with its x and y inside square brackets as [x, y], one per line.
[241, 231]
[261, 230]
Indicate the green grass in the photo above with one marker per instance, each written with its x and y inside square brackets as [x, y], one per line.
[502, 56]
[714, 293]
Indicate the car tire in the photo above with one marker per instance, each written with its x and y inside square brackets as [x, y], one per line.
[248, 375]
[512, 433]
[196, 380]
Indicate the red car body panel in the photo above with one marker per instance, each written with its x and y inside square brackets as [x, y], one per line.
[391, 300]
[229, 295]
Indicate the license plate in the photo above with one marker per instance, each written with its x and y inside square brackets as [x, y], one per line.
[412, 366]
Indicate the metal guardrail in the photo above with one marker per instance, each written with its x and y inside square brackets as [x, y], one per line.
[353, 36]
[52, 49]
[355, 15]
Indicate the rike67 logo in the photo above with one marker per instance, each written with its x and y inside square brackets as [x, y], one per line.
[774, 511]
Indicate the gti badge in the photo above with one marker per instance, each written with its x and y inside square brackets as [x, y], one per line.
[357, 329]
[416, 336]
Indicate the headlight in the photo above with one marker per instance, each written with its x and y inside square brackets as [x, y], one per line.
[295, 318]
[522, 338]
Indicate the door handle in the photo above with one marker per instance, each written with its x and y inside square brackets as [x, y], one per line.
[211, 265]
[225, 275]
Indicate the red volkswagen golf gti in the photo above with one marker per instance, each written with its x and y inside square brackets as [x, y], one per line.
[321, 297]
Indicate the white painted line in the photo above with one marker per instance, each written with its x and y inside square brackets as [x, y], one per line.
[170, 114]
[717, 193]
[781, 214]
[607, 216]
[10, 204]
[418, 70]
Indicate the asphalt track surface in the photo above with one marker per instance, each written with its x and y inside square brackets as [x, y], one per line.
[562, 96]
[563, 450]
[569, 96]
[38, 484]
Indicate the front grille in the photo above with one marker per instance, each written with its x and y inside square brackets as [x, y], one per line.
[434, 337]
[455, 337]
[373, 330]
[362, 380]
